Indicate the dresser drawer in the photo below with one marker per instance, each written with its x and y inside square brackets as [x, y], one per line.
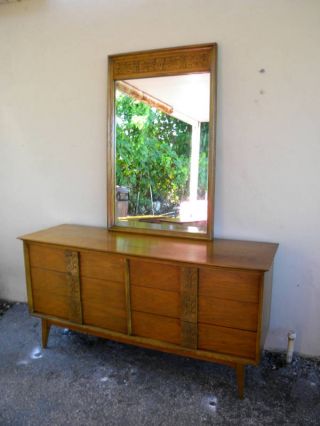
[156, 327]
[51, 293]
[47, 257]
[104, 303]
[155, 275]
[230, 284]
[103, 293]
[102, 266]
[107, 318]
[154, 301]
[227, 341]
[228, 313]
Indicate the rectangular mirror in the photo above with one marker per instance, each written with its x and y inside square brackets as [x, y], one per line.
[161, 133]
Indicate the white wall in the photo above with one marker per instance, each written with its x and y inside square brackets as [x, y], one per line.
[53, 66]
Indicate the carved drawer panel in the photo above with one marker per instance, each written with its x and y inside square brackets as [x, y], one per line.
[103, 266]
[155, 275]
[228, 313]
[237, 285]
[227, 340]
[156, 327]
[47, 257]
[155, 301]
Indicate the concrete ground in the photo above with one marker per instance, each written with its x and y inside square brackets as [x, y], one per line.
[83, 380]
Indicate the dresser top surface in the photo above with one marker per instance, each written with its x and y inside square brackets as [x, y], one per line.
[219, 252]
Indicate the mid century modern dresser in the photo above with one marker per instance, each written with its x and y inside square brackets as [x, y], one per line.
[203, 299]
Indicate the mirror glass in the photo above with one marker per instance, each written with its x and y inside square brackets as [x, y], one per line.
[161, 152]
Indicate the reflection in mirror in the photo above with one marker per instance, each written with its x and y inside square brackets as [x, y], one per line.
[161, 133]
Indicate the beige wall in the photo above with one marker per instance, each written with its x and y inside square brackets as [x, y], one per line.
[53, 64]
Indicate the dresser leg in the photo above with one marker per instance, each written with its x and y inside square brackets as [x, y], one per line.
[45, 329]
[240, 369]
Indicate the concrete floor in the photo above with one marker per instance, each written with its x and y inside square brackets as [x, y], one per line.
[83, 380]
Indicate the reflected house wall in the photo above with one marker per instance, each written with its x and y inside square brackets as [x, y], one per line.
[193, 210]
[53, 128]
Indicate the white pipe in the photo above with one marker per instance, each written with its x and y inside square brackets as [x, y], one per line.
[291, 339]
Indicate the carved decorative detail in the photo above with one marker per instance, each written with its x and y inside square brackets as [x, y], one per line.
[73, 277]
[72, 262]
[189, 335]
[189, 294]
[128, 298]
[189, 307]
[139, 65]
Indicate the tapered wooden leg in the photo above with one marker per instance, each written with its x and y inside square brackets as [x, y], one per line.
[240, 369]
[45, 329]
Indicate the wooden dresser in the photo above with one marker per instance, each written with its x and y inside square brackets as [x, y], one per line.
[206, 300]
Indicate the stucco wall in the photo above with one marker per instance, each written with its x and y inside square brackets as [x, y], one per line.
[53, 71]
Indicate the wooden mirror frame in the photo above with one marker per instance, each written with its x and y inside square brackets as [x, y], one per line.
[156, 63]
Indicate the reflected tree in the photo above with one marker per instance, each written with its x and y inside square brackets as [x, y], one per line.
[152, 157]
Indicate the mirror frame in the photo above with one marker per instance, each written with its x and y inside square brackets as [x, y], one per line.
[156, 63]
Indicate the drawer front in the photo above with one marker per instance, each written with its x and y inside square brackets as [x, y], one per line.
[155, 275]
[102, 293]
[217, 307]
[102, 266]
[47, 258]
[104, 304]
[237, 285]
[51, 293]
[227, 341]
[108, 318]
[155, 301]
[156, 327]
[228, 313]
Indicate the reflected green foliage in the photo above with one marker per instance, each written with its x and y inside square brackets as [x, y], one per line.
[152, 157]
[203, 161]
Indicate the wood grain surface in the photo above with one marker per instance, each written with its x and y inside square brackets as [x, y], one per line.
[155, 275]
[227, 340]
[50, 293]
[223, 253]
[228, 313]
[156, 327]
[230, 284]
[47, 257]
[154, 301]
[102, 266]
